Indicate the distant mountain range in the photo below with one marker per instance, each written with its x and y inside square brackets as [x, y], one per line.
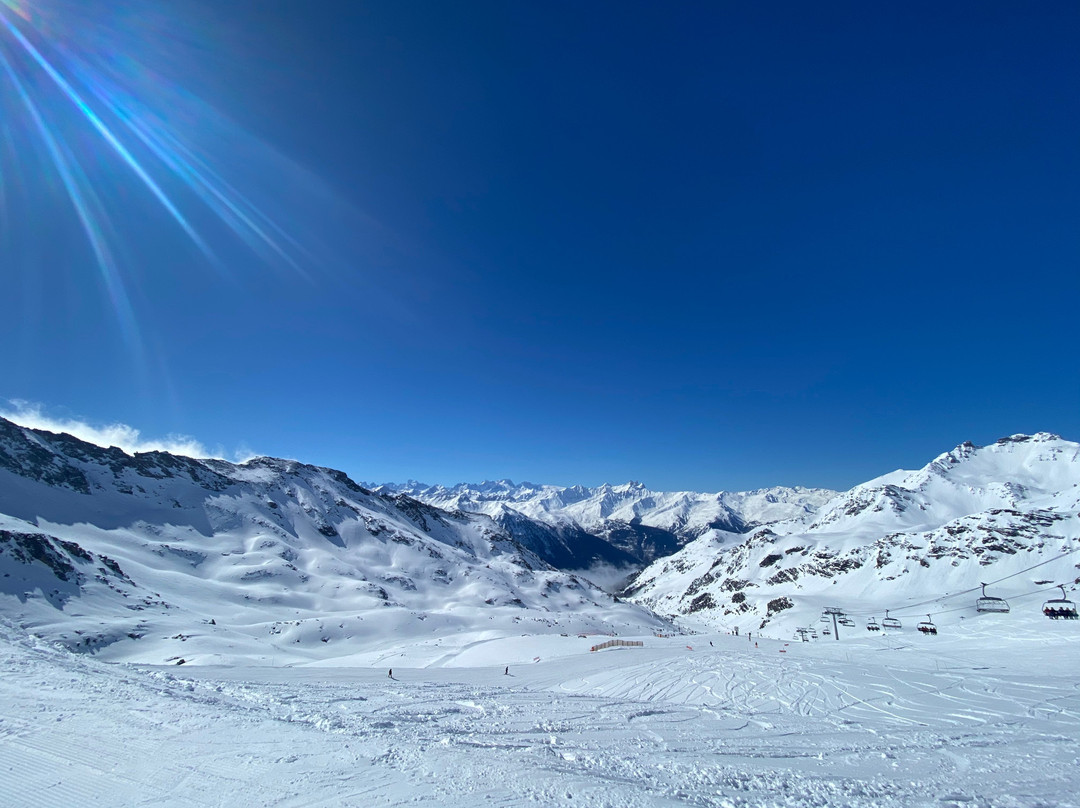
[153, 557]
[635, 525]
[915, 542]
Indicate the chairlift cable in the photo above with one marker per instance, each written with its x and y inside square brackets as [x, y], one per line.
[952, 595]
[1011, 597]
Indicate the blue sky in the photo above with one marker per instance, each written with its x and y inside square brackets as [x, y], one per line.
[701, 245]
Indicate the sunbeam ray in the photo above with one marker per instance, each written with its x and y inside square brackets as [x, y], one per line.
[85, 203]
[241, 215]
[100, 126]
[5, 144]
[98, 119]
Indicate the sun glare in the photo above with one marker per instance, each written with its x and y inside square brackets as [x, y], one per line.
[22, 9]
[121, 127]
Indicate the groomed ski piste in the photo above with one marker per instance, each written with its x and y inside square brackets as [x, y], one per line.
[987, 713]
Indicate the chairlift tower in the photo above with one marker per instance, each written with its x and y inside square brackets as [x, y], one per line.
[834, 612]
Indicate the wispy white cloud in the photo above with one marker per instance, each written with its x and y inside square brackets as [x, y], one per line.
[128, 438]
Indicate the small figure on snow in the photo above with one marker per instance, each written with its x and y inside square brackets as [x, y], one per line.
[507, 671]
[390, 675]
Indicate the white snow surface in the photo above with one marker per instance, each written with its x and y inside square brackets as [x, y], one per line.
[985, 715]
[916, 542]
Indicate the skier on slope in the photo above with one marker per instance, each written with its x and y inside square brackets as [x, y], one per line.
[390, 675]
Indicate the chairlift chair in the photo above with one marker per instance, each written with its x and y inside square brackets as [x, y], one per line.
[890, 622]
[1060, 608]
[872, 625]
[988, 603]
[847, 621]
[827, 631]
[927, 626]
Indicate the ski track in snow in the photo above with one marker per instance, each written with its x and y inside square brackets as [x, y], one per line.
[733, 725]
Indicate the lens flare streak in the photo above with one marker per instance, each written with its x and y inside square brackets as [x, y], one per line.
[66, 73]
[258, 231]
[105, 132]
[85, 203]
[17, 8]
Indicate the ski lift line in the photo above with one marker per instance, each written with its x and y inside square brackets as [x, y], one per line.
[1032, 593]
[1033, 566]
[966, 608]
[1011, 597]
[974, 588]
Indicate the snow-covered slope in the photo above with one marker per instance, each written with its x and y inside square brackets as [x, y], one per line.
[914, 542]
[962, 720]
[641, 523]
[154, 557]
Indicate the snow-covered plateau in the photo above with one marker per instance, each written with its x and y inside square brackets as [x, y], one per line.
[195, 632]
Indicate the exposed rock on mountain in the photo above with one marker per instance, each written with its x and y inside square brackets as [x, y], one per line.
[913, 542]
[640, 523]
[99, 549]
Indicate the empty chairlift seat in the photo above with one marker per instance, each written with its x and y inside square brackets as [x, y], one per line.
[988, 603]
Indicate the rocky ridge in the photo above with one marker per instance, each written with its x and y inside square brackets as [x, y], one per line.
[640, 523]
[914, 542]
[99, 549]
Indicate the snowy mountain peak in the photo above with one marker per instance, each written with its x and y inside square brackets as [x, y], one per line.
[637, 521]
[975, 513]
[268, 552]
[1038, 437]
